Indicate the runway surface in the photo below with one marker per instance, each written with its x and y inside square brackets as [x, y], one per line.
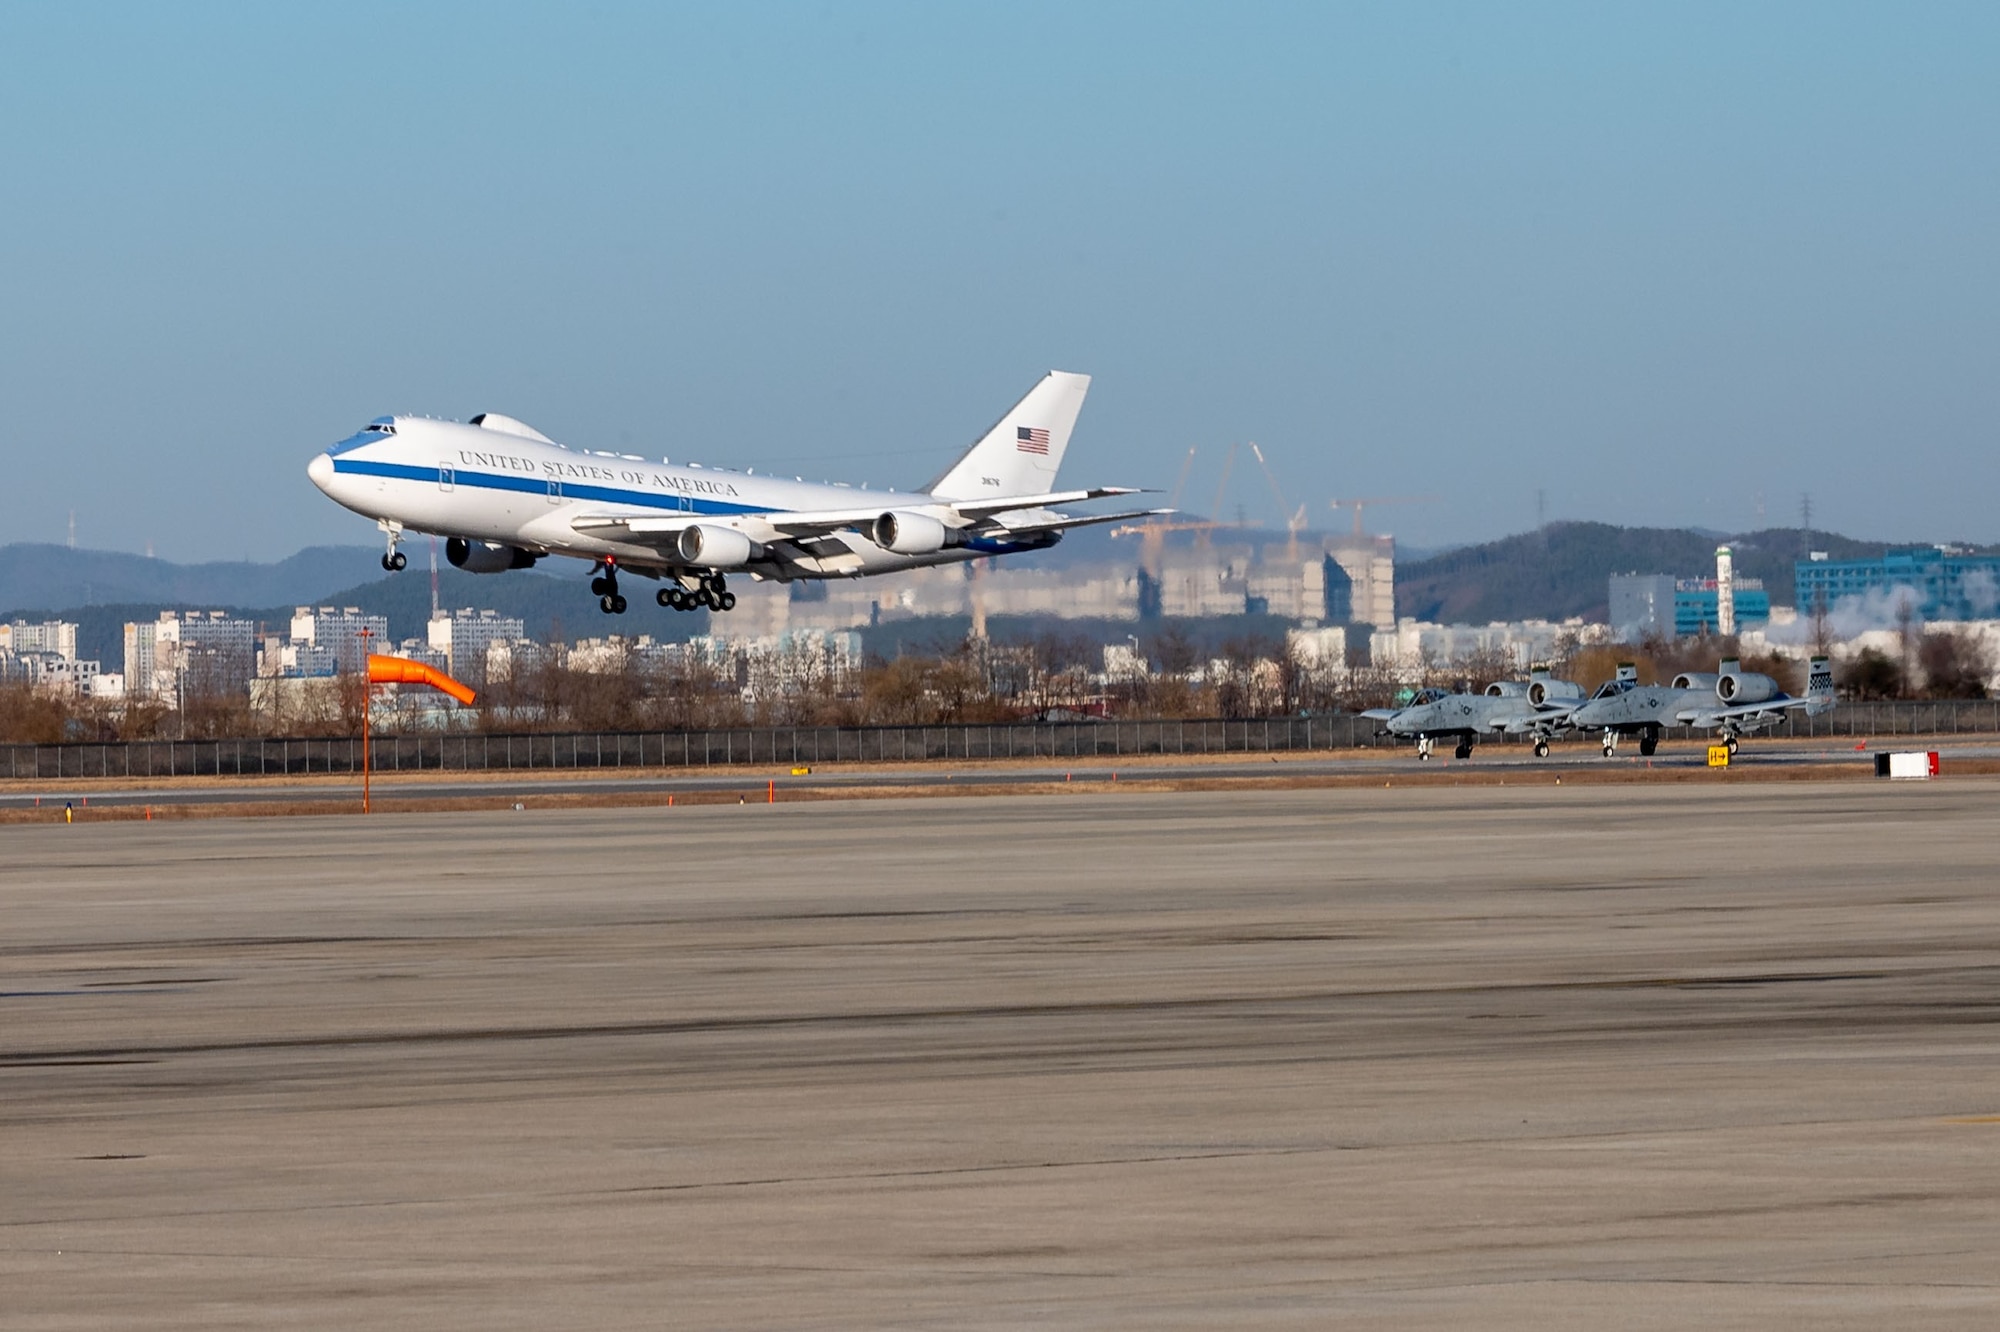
[834, 778]
[1577, 1057]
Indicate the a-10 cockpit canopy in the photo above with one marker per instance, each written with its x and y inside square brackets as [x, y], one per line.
[1613, 688]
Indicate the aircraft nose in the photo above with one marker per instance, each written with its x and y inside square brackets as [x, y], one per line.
[320, 470]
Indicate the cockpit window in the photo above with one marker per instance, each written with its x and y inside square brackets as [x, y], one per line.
[1612, 688]
[381, 425]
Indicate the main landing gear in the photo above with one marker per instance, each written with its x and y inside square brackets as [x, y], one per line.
[1648, 743]
[605, 585]
[1541, 746]
[1462, 750]
[710, 590]
[394, 560]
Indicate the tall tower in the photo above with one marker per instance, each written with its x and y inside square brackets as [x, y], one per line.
[1725, 592]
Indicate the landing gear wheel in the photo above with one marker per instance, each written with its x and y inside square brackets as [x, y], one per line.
[1609, 749]
[611, 604]
[706, 596]
[665, 596]
[1541, 749]
[1647, 744]
[395, 561]
[1464, 750]
[603, 586]
[725, 601]
[1732, 744]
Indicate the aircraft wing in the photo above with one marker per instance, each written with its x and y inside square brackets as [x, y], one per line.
[1542, 719]
[984, 516]
[1708, 717]
[1058, 522]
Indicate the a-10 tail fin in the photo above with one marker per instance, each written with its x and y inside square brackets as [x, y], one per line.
[1819, 686]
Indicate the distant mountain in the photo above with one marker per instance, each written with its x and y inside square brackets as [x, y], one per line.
[64, 579]
[1564, 569]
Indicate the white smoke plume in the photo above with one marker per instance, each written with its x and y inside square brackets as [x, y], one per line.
[1851, 617]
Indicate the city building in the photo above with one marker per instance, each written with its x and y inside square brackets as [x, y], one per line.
[1416, 646]
[466, 638]
[1643, 605]
[326, 641]
[1945, 583]
[183, 652]
[1698, 606]
[51, 638]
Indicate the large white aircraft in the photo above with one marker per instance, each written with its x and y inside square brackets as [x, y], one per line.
[505, 495]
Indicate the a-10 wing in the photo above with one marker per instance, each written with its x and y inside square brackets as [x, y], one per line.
[1756, 715]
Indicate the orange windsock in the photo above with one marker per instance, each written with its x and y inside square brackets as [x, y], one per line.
[401, 670]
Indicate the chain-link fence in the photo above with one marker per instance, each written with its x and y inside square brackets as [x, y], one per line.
[806, 745]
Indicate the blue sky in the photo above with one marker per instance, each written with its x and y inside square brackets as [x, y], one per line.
[1655, 263]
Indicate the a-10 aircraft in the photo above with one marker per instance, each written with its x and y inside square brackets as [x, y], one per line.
[506, 495]
[1538, 706]
[1731, 702]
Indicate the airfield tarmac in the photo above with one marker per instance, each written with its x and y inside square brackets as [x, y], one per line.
[1549, 1057]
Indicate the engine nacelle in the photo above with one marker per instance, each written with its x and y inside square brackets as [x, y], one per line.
[714, 547]
[487, 557]
[1746, 687]
[1506, 689]
[909, 533]
[1541, 693]
[1696, 680]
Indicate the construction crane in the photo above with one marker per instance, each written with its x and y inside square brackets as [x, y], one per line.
[1153, 534]
[1221, 486]
[1375, 501]
[1294, 523]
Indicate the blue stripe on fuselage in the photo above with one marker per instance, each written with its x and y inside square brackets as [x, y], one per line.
[535, 485]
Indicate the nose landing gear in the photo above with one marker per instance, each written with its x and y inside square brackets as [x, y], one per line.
[393, 560]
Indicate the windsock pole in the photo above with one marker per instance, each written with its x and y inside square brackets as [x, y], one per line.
[367, 688]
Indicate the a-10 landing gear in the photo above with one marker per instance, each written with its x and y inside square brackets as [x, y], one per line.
[1541, 746]
[710, 590]
[1649, 742]
[1462, 750]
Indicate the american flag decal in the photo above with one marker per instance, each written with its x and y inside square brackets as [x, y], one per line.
[1030, 440]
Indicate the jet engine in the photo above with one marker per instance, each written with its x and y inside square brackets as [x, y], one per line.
[1696, 680]
[909, 533]
[714, 547]
[486, 556]
[1507, 689]
[1746, 687]
[1541, 693]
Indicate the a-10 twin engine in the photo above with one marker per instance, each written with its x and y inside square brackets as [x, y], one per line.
[1746, 687]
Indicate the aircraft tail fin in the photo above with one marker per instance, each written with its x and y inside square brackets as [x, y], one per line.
[1819, 686]
[1022, 452]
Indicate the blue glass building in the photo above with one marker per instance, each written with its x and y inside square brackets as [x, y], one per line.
[1695, 605]
[1948, 585]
